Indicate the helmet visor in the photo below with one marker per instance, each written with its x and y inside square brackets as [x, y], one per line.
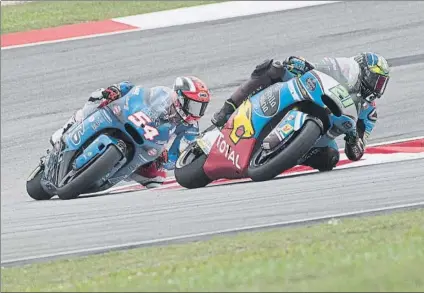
[375, 85]
[194, 108]
[380, 84]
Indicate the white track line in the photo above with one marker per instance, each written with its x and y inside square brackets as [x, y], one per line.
[104, 249]
[212, 12]
[392, 141]
[191, 15]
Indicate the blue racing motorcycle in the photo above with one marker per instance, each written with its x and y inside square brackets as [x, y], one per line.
[107, 146]
[270, 132]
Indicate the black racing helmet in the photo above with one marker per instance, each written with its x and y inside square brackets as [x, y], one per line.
[375, 75]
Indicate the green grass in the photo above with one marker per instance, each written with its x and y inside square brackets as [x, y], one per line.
[43, 14]
[384, 253]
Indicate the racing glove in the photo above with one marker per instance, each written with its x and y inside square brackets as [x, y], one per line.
[354, 147]
[108, 95]
[297, 65]
[221, 117]
[112, 93]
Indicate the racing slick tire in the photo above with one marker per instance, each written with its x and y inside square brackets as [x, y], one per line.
[92, 174]
[189, 173]
[288, 157]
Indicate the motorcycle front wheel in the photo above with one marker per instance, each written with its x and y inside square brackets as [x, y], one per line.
[288, 157]
[34, 188]
[93, 173]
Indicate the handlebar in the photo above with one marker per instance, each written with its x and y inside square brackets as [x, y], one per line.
[211, 127]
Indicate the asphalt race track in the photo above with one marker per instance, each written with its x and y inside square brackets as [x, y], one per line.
[42, 85]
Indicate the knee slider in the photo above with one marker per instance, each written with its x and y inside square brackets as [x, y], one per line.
[333, 156]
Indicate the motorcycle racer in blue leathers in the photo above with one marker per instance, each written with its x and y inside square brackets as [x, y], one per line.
[188, 106]
[365, 76]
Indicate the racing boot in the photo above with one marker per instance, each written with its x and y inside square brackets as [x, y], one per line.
[93, 101]
[221, 117]
[152, 175]
[98, 98]
[264, 75]
[57, 135]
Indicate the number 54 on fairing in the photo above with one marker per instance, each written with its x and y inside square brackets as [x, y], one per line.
[105, 147]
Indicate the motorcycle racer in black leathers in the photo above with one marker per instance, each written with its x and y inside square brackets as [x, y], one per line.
[365, 76]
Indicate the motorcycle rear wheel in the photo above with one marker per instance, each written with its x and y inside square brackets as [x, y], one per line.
[189, 171]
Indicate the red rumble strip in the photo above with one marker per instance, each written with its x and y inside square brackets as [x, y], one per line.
[63, 32]
[413, 146]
